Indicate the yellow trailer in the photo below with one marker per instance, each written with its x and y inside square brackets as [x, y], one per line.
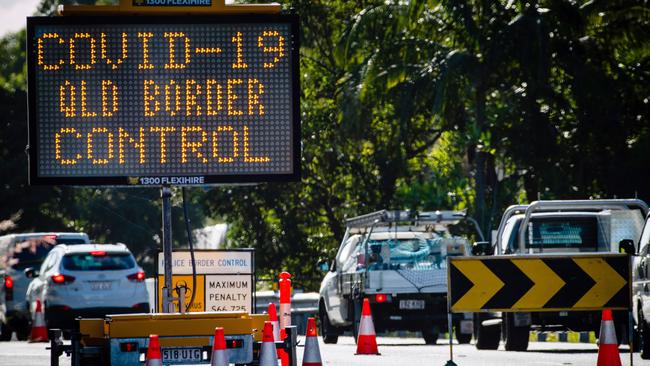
[184, 338]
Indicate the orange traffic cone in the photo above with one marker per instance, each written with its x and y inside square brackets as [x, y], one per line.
[608, 346]
[219, 352]
[273, 317]
[153, 352]
[312, 351]
[367, 339]
[268, 353]
[39, 329]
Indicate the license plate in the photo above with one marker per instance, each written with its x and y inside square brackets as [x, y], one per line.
[411, 304]
[100, 285]
[182, 355]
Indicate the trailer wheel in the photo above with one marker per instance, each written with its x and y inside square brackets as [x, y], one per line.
[430, 335]
[488, 335]
[516, 338]
[461, 337]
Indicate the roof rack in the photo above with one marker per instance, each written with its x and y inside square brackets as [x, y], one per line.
[388, 217]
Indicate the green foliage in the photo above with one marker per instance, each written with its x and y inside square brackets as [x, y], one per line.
[449, 104]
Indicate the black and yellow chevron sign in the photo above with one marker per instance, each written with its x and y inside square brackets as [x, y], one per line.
[539, 283]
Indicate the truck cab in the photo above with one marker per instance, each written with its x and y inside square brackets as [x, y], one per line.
[555, 227]
[398, 261]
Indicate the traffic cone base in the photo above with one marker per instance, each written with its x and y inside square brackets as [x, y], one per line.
[268, 353]
[607, 344]
[219, 352]
[311, 355]
[153, 352]
[39, 329]
[367, 339]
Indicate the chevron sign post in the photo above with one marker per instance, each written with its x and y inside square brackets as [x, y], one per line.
[539, 283]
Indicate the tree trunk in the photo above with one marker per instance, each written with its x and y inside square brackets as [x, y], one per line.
[479, 162]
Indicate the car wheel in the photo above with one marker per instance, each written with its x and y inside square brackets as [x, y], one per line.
[5, 333]
[430, 335]
[516, 338]
[327, 331]
[644, 339]
[461, 337]
[488, 336]
[356, 323]
[23, 332]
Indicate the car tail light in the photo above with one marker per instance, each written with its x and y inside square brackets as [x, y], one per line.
[381, 298]
[61, 279]
[234, 343]
[9, 288]
[129, 346]
[98, 253]
[142, 306]
[136, 277]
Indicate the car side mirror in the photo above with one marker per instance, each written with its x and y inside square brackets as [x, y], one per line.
[30, 272]
[626, 246]
[482, 248]
[323, 265]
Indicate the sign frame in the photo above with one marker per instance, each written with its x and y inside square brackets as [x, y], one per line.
[492, 293]
[253, 274]
[294, 61]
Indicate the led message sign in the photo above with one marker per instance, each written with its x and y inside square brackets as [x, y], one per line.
[163, 100]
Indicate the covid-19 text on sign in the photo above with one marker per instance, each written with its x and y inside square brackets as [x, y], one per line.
[148, 100]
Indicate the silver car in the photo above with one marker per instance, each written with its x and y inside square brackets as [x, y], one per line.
[88, 280]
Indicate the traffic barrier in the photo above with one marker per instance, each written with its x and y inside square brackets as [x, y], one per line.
[39, 329]
[311, 356]
[608, 346]
[367, 338]
[268, 353]
[219, 352]
[285, 312]
[565, 337]
[153, 352]
[273, 317]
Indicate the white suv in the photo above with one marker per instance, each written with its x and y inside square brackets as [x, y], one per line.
[88, 280]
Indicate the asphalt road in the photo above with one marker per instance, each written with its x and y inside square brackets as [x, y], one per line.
[394, 351]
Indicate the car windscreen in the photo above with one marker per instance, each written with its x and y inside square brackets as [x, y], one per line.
[412, 253]
[95, 262]
[30, 253]
[557, 233]
[70, 241]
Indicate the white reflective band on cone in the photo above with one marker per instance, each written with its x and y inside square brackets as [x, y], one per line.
[219, 358]
[366, 327]
[154, 362]
[607, 333]
[276, 331]
[312, 352]
[285, 315]
[39, 320]
[268, 354]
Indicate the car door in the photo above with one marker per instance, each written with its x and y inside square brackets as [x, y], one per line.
[336, 302]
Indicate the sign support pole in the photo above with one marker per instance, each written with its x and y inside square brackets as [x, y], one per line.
[167, 297]
[451, 340]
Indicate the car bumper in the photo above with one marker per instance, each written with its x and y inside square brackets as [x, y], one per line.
[63, 317]
[389, 316]
[572, 320]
